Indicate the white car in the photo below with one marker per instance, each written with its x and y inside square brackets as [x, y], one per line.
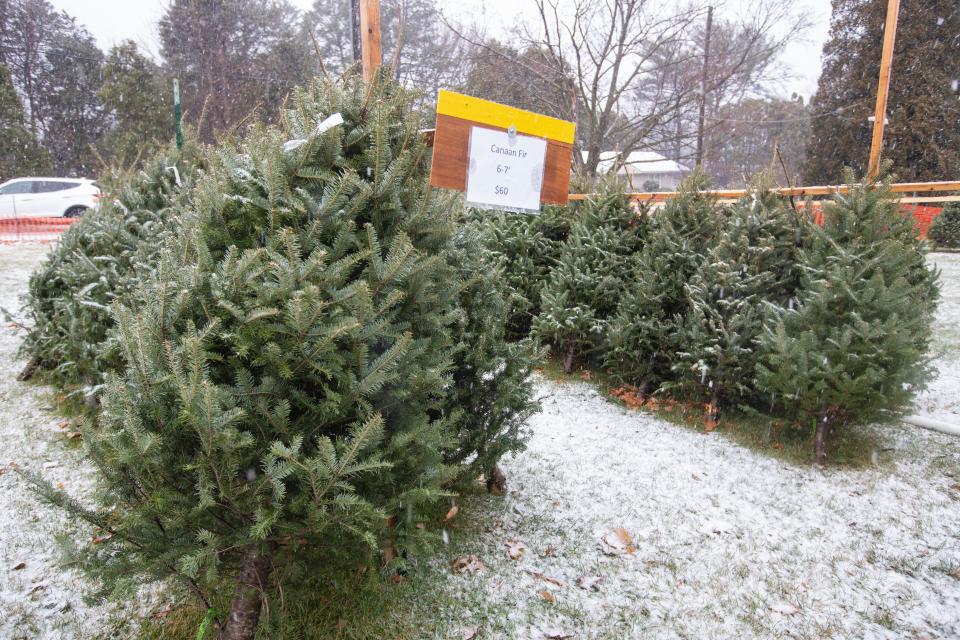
[48, 197]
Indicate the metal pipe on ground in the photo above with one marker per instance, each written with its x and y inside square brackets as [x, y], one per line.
[933, 424]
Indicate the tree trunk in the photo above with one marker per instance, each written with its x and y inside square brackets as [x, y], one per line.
[496, 481]
[568, 360]
[29, 370]
[715, 404]
[820, 438]
[245, 609]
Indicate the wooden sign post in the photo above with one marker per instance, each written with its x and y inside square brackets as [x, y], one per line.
[883, 86]
[502, 157]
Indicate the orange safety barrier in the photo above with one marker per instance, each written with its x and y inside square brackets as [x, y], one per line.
[33, 229]
[922, 215]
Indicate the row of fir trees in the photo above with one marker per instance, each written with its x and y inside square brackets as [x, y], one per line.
[750, 306]
[290, 345]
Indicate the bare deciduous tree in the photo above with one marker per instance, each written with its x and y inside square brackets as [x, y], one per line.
[633, 68]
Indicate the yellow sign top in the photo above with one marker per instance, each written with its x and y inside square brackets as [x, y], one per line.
[482, 111]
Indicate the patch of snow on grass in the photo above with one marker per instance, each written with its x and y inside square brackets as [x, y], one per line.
[728, 543]
[942, 399]
[38, 598]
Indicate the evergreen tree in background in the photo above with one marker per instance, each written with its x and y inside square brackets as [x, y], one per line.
[19, 154]
[922, 138]
[74, 118]
[236, 59]
[752, 268]
[647, 331]
[945, 230]
[592, 271]
[55, 67]
[289, 365]
[854, 350]
[98, 261]
[490, 398]
[140, 103]
[526, 247]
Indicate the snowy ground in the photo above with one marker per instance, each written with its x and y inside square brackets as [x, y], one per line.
[716, 541]
[38, 599]
[728, 543]
[942, 399]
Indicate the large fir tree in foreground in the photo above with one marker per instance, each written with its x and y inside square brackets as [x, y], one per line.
[290, 367]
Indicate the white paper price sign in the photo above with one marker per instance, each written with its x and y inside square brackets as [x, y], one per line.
[505, 171]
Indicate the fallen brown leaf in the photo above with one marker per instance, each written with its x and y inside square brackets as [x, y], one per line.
[549, 552]
[555, 634]
[589, 583]
[468, 564]
[546, 595]
[628, 395]
[397, 578]
[18, 567]
[454, 510]
[585, 375]
[515, 549]
[73, 434]
[545, 577]
[620, 540]
[100, 539]
[160, 614]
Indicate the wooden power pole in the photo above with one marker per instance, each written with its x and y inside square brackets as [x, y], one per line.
[372, 56]
[883, 86]
[703, 86]
[355, 39]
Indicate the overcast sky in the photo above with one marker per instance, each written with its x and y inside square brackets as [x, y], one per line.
[111, 21]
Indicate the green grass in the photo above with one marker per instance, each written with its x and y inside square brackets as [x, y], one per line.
[347, 597]
[851, 447]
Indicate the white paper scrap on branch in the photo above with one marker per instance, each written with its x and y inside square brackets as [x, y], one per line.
[505, 171]
[291, 145]
[329, 122]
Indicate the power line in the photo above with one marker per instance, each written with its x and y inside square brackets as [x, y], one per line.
[814, 116]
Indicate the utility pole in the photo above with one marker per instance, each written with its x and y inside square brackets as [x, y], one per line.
[883, 87]
[703, 85]
[176, 112]
[355, 28]
[371, 54]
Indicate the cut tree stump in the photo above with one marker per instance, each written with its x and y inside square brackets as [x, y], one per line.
[496, 481]
[29, 370]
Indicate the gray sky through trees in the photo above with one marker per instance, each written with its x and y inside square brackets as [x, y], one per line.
[111, 21]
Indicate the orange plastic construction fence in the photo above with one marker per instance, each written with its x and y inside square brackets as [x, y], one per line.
[923, 216]
[33, 229]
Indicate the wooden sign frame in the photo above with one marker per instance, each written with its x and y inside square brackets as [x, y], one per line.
[457, 113]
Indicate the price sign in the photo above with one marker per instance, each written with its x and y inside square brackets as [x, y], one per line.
[505, 170]
[473, 152]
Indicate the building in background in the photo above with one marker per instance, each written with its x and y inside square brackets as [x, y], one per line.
[644, 170]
